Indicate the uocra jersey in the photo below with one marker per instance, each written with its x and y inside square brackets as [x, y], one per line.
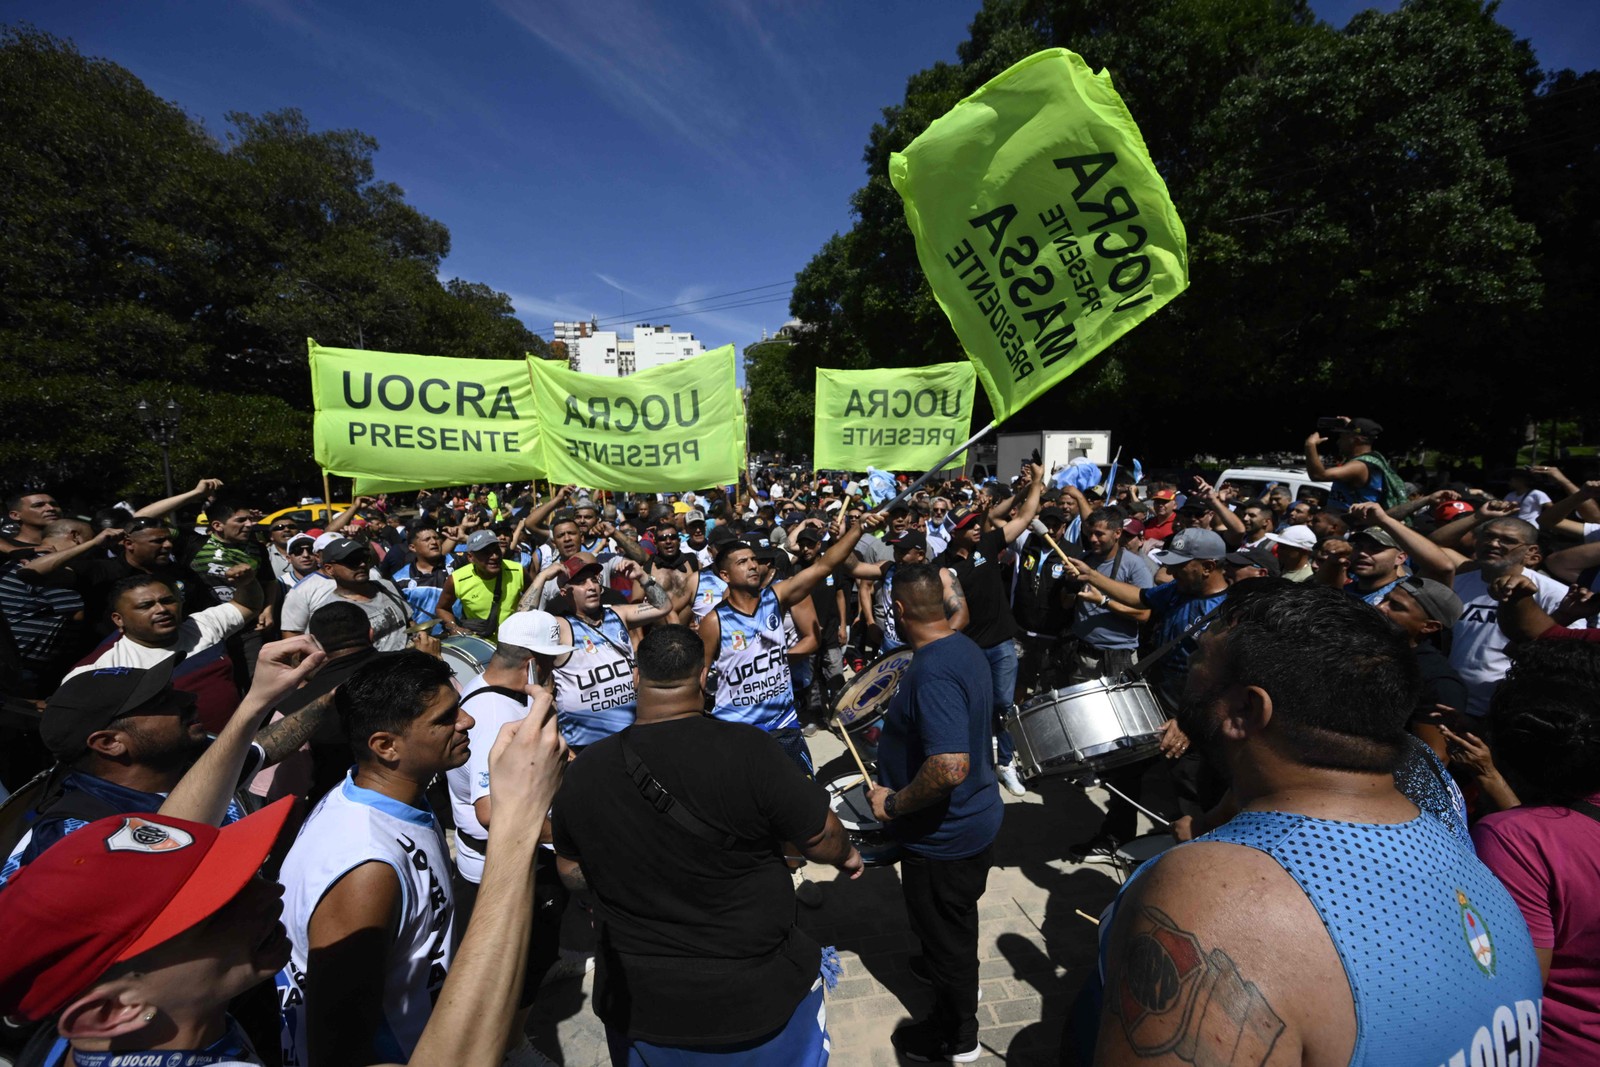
[349, 827]
[708, 590]
[595, 697]
[753, 684]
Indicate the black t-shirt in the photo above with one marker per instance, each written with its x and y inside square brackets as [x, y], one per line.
[983, 581]
[698, 943]
[96, 577]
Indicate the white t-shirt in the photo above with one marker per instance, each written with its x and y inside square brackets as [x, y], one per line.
[470, 781]
[1591, 532]
[1529, 504]
[200, 630]
[388, 611]
[1478, 648]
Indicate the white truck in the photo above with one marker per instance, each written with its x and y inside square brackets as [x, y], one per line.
[1057, 448]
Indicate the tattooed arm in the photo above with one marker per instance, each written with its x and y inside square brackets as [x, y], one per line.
[955, 600]
[936, 778]
[280, 738]
[1216, 958]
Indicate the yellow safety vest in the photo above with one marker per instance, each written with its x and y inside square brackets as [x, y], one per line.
[477, 595]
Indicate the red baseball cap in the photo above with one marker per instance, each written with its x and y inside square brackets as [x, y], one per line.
[579, 563]
[115, 889]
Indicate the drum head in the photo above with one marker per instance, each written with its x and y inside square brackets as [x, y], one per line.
[847, 796]
[865, 698]
[467, 655]
[1145, 847]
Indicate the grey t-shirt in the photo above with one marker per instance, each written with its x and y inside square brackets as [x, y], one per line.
[1100, 627]
[871, 549]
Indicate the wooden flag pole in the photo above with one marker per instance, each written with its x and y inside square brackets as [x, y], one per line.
[327, 497]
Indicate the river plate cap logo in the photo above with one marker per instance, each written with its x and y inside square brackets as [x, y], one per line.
[1476, 932]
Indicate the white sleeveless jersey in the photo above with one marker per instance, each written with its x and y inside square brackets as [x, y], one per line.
[883, 609]
[349, 827]
[752, 665]
[594, 688]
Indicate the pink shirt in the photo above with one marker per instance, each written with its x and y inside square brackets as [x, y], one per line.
[1549, 860]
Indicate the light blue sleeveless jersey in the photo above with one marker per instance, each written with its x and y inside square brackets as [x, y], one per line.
[753, 684]
[595, 697]
[1439, 960]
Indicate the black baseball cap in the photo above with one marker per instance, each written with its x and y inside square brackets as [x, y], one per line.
[808, 533]
[721, 535]
[906, 540]
[94, 699]
[1254, 557]
[1361, 427]
[342, 549]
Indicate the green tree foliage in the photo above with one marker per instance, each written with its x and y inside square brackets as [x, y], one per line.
[779, 415]
[139, 255]
[1375, 217]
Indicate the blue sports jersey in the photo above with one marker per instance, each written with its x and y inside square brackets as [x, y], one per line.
[753, 683]
[1440, 964]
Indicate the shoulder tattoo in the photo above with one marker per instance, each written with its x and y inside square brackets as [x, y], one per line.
[1174, 997]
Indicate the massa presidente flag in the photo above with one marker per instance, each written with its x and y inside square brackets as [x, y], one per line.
[1041, 223]
[392, 419]
[904, 419]
[678, 426]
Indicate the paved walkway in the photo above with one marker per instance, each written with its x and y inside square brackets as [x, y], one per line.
[1034, 951]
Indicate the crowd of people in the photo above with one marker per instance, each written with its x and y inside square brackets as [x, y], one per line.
[1377, 741]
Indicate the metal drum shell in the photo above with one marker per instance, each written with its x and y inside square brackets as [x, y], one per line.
[1089, 727]
[847, 796]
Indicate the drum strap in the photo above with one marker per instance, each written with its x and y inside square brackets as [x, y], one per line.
[1144, 666]
[664, 802]
[499, 690]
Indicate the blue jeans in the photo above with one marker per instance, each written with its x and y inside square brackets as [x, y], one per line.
[1003, 674]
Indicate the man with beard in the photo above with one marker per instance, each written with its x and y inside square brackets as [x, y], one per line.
[1377, 556]
[1502, 547]
[744, 641]
[545, 592]
[348, 564]
[1330, 921]
[488, 587]
[368, 903]
[594, 682]
[676, 570]
[147, 548]
[123, 737]
[151, 627]
[909, 548]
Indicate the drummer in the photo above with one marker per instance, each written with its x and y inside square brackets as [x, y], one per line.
[941, 800]
[594, 682]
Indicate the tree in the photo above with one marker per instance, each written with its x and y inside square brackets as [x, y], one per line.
[140, 255]
[780, 417]
[1359, 242]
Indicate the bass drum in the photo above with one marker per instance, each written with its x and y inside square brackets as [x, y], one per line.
[467, 655]
[847, 796]
[865, 698]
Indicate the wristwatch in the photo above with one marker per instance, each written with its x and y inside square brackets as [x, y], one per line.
[889, 806]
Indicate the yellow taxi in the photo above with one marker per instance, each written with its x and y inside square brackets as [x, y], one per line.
[307, 515]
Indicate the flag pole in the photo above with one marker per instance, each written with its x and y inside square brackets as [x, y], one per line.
[327, 497]
[914, 486]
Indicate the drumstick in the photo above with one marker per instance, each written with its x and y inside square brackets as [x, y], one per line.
[851, 745]
[1051, 542]
[1086, 915]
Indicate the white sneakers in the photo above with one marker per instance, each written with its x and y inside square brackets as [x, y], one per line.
[1011, 779]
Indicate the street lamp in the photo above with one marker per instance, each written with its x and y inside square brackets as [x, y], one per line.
[162, 426]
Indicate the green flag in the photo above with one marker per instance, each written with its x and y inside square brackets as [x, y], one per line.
[422, 420]
[1041, 223]
[674, 427]
[898, 419]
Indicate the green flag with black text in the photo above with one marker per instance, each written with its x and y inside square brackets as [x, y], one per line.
[1041, 223]
[674, 427]
[898, 419]
[386, 417]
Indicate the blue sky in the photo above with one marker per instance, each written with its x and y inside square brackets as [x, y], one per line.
[601, 157]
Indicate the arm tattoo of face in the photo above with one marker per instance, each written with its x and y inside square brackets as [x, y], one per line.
[1174, 997]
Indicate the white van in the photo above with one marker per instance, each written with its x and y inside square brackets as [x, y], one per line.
[1253, 483]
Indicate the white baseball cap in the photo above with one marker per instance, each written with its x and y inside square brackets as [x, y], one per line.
[324, 540]
[1299, 537]
[536, 630]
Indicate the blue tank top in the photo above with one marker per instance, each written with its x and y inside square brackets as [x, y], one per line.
[1438, 957]
[753, 683]
[595, 696]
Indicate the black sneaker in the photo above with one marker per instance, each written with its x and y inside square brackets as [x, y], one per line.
[1098, 845]
[921, 1042]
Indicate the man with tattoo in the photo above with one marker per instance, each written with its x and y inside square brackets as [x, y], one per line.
[910, 549]
[675, 826]
[941, 800]
[1330, 921]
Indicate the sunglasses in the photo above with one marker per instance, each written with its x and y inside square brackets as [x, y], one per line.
[282, 526]
[302, 550]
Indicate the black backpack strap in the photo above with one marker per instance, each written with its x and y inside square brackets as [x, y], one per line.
[499, 690]
[664, 802]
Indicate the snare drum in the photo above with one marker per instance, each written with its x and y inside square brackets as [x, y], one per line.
[1145, 847]
[1089, 727]
[467, 654]
[849, 802]
[865, 698]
